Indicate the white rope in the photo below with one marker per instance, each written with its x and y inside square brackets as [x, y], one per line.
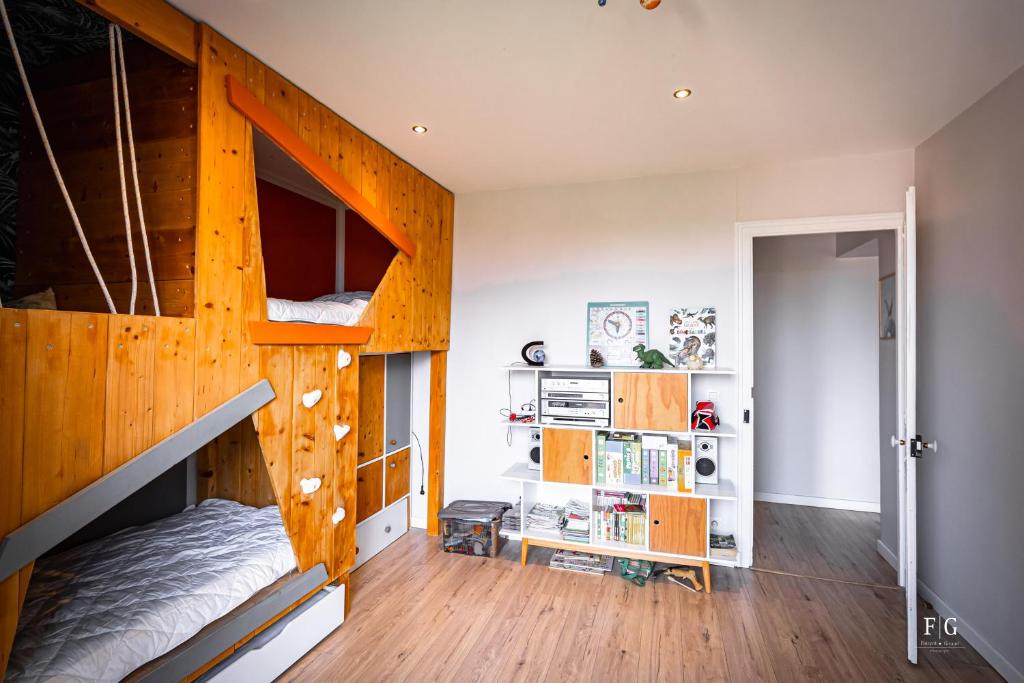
[120, 171]
[135, 169]
[49, 155]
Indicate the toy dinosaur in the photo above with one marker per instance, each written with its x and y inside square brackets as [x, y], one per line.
[651, 359]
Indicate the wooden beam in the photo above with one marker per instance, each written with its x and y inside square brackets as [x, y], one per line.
[438, 384]
[154, 21]
[304, 155]
[305, 334]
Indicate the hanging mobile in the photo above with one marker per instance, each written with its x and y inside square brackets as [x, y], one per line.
[533, 353]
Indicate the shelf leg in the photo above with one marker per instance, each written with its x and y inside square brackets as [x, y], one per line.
[524, 551]
[706, 570]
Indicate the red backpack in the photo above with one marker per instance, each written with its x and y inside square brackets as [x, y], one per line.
[703, 418]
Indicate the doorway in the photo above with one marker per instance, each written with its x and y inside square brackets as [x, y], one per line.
[822, 307]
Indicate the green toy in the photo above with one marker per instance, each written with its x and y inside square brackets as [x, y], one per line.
[651, 359]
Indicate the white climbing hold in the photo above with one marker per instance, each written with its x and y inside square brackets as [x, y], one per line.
[344, 359]
[340, 431]
[310, 486]
[338, 515]
[311, 398]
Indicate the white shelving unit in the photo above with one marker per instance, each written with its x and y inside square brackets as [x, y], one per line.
[722, 498]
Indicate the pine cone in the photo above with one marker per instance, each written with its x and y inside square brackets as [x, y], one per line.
[596, 359]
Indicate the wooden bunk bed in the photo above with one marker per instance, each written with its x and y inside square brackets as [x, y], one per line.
[86, 392]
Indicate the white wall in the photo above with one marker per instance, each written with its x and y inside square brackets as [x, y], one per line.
[815, 374]
[526, 262]
[419, 455]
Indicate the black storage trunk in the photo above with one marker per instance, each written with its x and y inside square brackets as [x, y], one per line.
[472, 527]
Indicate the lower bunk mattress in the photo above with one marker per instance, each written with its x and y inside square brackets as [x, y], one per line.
[101, 610]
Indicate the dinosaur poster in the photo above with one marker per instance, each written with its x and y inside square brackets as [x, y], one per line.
[614, 328]
[692, 331]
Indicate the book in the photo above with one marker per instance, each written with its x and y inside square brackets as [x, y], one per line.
[662, 467]
[601, 458]
[613, 460]
[686, 478]
[645, 466]
[631, 471]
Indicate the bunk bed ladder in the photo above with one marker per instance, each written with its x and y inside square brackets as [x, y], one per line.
[31, 540]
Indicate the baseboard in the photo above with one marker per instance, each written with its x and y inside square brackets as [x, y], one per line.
[991, 655]
[835, 503]
[888, 555]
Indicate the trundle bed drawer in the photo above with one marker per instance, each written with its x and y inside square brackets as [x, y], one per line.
[269, 654]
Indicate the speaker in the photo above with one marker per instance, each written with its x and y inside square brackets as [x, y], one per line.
[534, 463]
[706, 462]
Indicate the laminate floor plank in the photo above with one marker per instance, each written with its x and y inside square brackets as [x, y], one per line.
[419, 614]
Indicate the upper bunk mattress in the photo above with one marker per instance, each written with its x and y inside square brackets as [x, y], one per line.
[101, 610]
[343, 308]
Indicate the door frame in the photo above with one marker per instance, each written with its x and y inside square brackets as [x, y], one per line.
[746, 231]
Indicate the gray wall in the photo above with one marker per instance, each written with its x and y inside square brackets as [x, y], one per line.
[815, 373]
[970, 184]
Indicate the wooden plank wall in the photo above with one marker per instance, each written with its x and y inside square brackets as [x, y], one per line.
[76, 104]
[409, 312]
[82, 393]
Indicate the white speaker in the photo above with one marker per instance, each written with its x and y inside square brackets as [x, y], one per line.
[706, 460]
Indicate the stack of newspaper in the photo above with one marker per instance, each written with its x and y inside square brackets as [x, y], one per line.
[544, 517]
[572, 561]
[511, 521]
[577, 522]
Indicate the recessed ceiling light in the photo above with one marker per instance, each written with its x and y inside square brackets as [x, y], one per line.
[682, 93]
[419, 130]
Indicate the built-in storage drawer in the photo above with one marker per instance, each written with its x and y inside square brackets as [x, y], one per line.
[270, 653]
[397, 416]
[396, 476]
[371, 407]
[566, 455]
[679, 525]
[647, 400]
[369, 490]
[378, 533]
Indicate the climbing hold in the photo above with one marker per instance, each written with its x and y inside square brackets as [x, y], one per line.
[310, 486]
[311, 398]
[338, 515]
[340, 431]
[344, 359]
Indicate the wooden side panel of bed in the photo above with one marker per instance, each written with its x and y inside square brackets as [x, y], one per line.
[81, 394]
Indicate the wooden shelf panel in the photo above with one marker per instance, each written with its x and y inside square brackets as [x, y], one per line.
[521, 472]
[306, 334]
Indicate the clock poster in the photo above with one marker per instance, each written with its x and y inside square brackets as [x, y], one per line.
[614, 328]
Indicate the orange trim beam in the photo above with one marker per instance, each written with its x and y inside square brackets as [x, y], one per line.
[305, 334]
[242, 99]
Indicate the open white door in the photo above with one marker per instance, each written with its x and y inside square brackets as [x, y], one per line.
[908, 442]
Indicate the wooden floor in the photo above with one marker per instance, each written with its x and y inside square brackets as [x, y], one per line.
[423, 615]
[831, 544]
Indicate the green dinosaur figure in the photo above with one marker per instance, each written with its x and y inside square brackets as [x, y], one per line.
[652, 359]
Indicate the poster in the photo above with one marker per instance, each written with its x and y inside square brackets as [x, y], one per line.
[614, 328]
[887, 307]
[692, 332]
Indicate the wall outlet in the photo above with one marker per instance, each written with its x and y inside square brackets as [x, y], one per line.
[534, 436]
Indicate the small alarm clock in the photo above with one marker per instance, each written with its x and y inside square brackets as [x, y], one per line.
[533, 353]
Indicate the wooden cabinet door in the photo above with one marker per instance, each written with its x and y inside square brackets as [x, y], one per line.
[396, 476]
[679, 525]
[371, 408]
[369, 490]
[647, 400]
[566, 455]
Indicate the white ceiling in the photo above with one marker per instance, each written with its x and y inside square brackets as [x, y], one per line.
[538, 92]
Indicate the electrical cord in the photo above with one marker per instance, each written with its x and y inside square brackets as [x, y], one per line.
[423, 470]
